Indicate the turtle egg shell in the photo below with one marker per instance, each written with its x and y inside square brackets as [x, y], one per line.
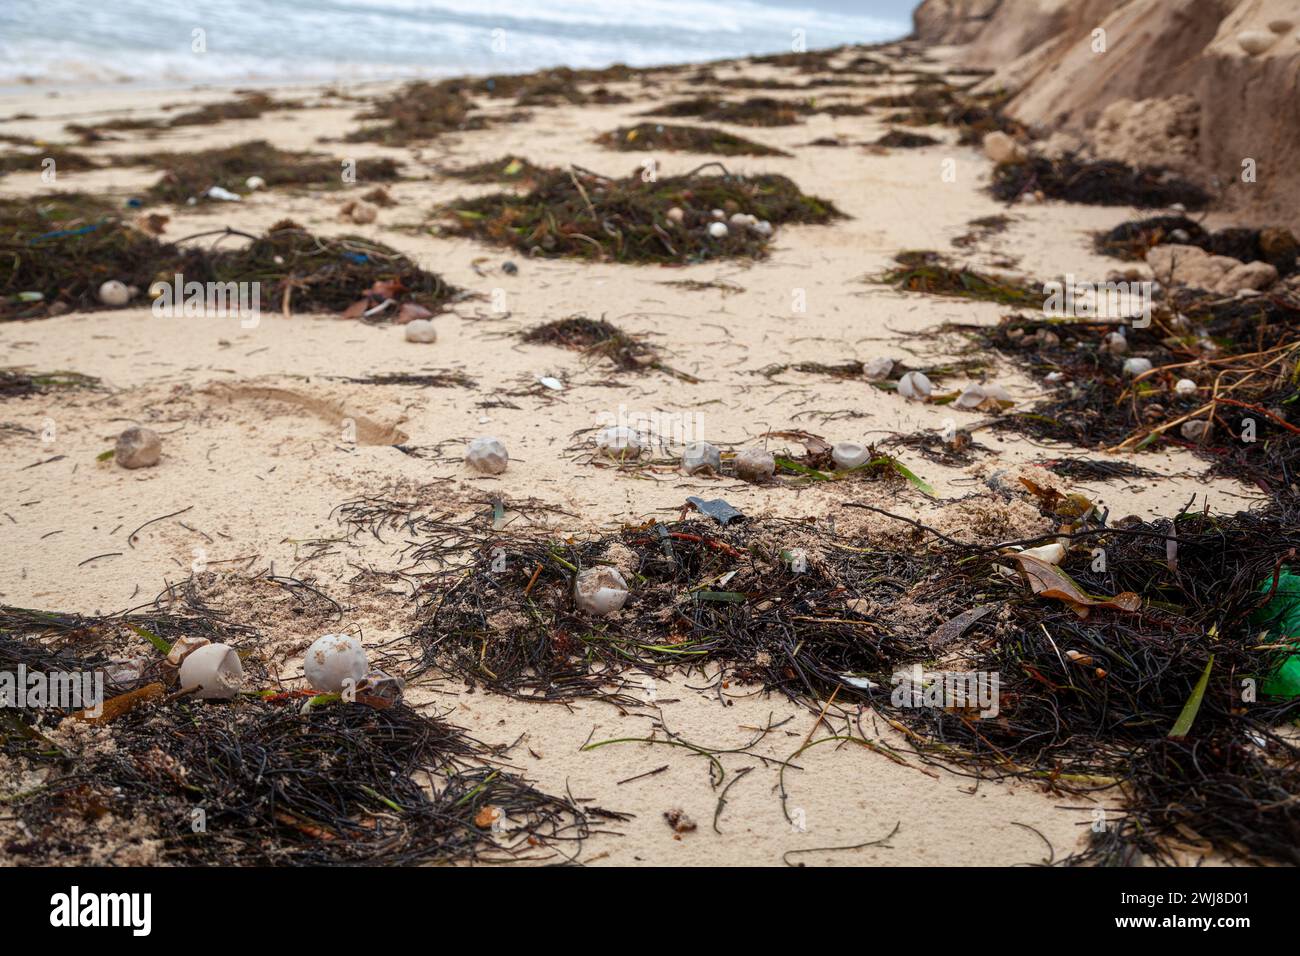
[215, 670]
[600, 591]
[334, 660]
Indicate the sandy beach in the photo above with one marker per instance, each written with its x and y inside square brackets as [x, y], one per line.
[267, 431]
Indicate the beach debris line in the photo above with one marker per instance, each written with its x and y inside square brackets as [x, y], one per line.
[684, 139]
[1095, 182]
[225, 172]
[576, 213]
[1214, 374]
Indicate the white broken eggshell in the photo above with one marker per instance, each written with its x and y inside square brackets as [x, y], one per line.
[114, 294]
[701, 456]
[1115, 343]
[754, 465]
[214, 669]
[850, 454]
[183, 648]
[618, 441]
[138, 447]
[718, 230]
[1137, 366]
[915, 387]
[422, 331]
[600, 591]
[877, 369]
[487, 454]
[1185, 388]
[333, 661]
[972, 396]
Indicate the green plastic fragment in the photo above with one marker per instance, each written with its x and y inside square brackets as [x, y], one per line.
[1281, 615]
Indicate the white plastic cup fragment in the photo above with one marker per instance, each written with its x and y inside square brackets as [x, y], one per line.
[214, 670]
[600, 591]
[488, 455]
[335, 661]
[850, 454]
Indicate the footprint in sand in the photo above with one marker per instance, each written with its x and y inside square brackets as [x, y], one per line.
[368, 430]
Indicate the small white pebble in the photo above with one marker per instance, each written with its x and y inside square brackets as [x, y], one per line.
[718, 230]
[421, 330]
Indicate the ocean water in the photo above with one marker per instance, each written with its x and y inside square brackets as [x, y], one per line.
[152, 42]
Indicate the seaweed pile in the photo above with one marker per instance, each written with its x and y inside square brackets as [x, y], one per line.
[685, 139]
[507, 169]
[601, 339]
[309, 273]
[932, 274]
[268, 779]
[59, 248]
[62, 247]
[576, 213]
[560, 85]
[1101, 183]
[21, 382]
[1241, 356]
[1120, 671]
[191, 175]
[755, 111]
[1132, 240]
[902, 139]
[418, 111]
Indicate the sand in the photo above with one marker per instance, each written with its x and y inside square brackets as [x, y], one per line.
[256, 457]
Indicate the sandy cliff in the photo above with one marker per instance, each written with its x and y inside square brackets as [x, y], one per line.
[1206, 86]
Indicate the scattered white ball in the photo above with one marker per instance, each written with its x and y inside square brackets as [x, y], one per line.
[618, 441]
[114, 294]
[701, 456]
[718, 230]
[1137, 366]
[215, 670]
[1116, 343]
[488, 455]
[915, 387]
[755, 465]
[1195, 429]
[600, 591]
[333, 661]
[675, 215]
[718, 214]
[254, 183]
[762, 227]
[1256, 42]
[877, 369]
[421, 330]
[137, 447]
[972, 396]
[1185, 388]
